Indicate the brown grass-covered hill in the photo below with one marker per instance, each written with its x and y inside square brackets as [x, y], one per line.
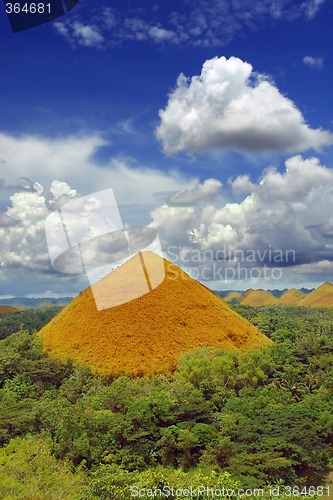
[231, 296]
[291, 297]
[147, 335]
[8, 309]
[257, 298]
[321, 297]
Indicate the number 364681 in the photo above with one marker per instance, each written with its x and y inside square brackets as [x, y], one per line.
[28, 8]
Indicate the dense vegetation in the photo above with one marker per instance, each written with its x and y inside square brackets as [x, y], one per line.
[221, 420]
[27, 319]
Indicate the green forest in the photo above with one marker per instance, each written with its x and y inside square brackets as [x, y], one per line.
[262, 419]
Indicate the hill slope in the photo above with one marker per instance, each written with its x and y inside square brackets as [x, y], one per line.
[321, 297]
[147, 335]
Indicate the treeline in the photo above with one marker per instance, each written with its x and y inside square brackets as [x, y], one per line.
[28, 319]
[225, 420]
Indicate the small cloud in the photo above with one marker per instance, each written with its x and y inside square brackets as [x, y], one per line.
[62, 30]
[78, 33]
[312, 7]
[109, 18]
[86, 35]
[125, 127]
[208, 190]
[314, 62]
[161, 34]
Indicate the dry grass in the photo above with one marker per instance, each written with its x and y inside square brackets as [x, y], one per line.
[257, 298]
[147, 335]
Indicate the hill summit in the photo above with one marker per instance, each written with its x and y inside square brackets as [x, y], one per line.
[147, 335]
[257, 298]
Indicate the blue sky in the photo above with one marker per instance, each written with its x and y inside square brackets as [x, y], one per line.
[91, 100]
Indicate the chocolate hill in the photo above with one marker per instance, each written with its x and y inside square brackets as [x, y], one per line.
[257, 298]
[232, 296]
[147, 335]
[321, 297]
[292, 297]
[8, 309]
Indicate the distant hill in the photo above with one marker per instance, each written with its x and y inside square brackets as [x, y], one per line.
[278, 293]
[306, 291]
[35, 301]
[30, 319]
[292, 297]
[257, 298]
[321, 297]
[8, 309]
[223, 293]
[147, 335]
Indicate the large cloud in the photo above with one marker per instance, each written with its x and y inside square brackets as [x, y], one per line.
[287, 214]
[230, 106]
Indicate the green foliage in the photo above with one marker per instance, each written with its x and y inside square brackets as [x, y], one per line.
[30, 472]
[259, 418]
[28, 319]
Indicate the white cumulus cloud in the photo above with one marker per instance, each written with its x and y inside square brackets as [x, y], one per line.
[230, 106]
